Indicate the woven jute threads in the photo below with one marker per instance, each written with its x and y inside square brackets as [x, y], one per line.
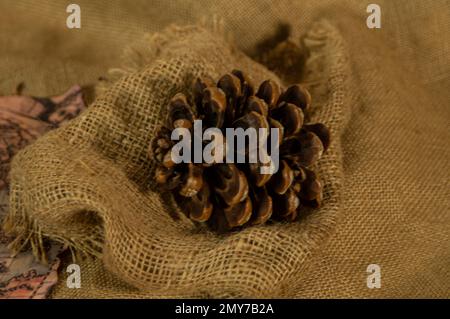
[87, 184]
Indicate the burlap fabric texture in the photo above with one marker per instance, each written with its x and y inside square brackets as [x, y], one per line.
[394, 206]
[90, 186]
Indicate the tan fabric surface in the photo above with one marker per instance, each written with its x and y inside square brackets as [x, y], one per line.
[395, 209]
[99, 163]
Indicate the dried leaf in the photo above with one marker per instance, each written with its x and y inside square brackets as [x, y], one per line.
[25, 118]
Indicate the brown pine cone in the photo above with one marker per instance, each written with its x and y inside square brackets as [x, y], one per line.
[228, 195]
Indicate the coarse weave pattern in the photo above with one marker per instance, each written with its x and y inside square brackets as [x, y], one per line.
[384, 93]
[98, 164]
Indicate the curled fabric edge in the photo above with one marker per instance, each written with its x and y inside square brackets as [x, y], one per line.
[28, 231]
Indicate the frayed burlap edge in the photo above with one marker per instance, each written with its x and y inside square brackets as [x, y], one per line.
[321, 40]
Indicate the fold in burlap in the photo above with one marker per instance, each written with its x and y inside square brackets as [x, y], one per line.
[89, 184]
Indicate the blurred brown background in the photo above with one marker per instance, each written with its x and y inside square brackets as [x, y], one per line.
[37, 47]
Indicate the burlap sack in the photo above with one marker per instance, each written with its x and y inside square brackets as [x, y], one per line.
[90, 183]
[392, 138]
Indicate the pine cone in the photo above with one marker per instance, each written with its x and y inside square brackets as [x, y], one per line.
[228, 195]
[287, 59]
